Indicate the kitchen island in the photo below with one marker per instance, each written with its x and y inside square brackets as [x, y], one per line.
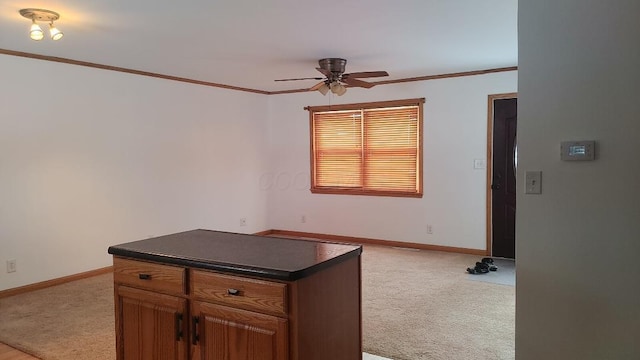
[205, 294]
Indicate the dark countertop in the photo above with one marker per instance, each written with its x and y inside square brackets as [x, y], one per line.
[253, 255]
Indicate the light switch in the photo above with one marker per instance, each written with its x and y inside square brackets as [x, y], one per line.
[533, 182]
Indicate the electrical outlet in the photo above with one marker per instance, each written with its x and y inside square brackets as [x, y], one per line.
[243, 221]
[11, 266]
[429, 229]
[303, 219]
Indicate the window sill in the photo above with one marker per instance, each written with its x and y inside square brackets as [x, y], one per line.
[342, 191]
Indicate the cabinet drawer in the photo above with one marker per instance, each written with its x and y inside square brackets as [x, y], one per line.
[240, 292]
[161, 278]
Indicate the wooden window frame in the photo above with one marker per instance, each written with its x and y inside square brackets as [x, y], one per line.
[366, 106]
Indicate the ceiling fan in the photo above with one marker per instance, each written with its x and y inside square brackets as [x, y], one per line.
[333, 70]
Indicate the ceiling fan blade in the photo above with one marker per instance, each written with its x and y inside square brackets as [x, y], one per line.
[316, 86]
[358, 83]
[307, 78]
[366, 74]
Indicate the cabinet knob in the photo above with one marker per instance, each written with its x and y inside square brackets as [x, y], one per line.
[234, 292]
[144, 276]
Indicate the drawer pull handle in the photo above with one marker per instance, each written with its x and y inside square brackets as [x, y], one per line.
[234, 292]
[144, 276]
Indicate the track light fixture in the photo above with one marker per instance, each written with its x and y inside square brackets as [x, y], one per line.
[43, 15]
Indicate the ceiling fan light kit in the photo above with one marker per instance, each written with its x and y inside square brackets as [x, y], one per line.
[43, 15]
[334, 71]
[324, 89]
[338, 88]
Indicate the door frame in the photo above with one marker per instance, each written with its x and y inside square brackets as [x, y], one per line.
[489, 194]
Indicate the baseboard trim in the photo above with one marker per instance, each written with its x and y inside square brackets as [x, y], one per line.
[54, 282]
[368, 241]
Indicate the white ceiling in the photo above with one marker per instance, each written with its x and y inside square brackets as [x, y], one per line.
[250, 43]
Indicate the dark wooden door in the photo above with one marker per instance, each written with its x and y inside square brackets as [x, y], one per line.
[226, 333]
[152, 325]
[503, 198]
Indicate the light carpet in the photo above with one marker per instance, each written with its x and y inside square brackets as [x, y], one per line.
[416, 305]
[420, 305]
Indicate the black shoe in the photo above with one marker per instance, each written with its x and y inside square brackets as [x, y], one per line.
[480, 268]
[489, 262]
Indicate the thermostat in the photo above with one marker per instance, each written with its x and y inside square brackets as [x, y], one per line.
[577, 150]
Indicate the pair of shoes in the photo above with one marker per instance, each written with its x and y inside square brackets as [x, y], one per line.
[483, 267]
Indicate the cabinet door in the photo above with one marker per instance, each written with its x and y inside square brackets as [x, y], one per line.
[150, 326]
[224, 333]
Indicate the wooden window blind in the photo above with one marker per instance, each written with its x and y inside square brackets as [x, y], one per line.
[367, 149]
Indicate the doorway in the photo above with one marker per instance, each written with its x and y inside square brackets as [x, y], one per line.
[502, 153]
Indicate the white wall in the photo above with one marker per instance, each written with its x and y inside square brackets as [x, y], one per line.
[578, 243]
[455, 133]
[92, 158]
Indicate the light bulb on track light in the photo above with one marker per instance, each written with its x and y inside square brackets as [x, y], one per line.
[36, 32]
[54, 32]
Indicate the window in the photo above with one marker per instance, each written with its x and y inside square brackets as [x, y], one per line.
[367, 149]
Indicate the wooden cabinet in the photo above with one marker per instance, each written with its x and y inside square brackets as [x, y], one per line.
[151, 310]
[188, 310]
[238, 318]
[218, 316]
[150, 325]
[223, 332]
